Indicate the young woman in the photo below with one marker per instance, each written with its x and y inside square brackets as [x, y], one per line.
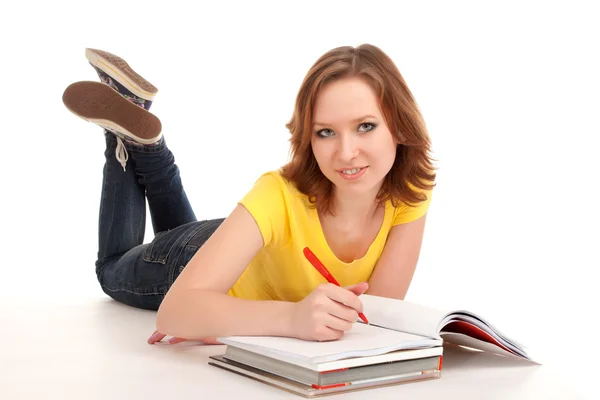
[356, 193]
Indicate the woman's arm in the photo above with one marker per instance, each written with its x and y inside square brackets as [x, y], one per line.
[396, 267]
[198, 306]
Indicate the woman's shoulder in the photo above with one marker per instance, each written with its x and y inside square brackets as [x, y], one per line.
[404, 211]
[273, 201]
[275, 180]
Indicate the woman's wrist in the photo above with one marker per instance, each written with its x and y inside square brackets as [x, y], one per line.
[283, 319]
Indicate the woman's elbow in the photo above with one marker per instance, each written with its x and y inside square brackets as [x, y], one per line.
[171, 318]
[166, 318]
[176, 316]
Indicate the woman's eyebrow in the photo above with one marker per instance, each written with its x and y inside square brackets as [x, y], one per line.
[354, 120]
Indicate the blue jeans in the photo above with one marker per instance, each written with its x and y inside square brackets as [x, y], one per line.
[128, 270]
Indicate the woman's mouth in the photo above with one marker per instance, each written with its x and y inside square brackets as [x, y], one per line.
[352, 174]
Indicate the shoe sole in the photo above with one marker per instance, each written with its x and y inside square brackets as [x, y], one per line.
[118, 69]
[100, 104]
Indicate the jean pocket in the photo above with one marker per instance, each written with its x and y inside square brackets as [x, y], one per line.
[188, 253]
[161, 247]
[204, 230]
[185, 238]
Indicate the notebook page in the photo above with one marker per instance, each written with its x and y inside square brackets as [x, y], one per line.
[403, 316]
[361, 340]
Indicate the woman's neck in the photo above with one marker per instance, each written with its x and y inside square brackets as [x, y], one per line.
[353, 208]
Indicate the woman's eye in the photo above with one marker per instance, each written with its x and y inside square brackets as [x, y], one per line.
[366, 127]
[325, 132]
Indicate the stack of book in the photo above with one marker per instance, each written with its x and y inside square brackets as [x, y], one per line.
[403, 343]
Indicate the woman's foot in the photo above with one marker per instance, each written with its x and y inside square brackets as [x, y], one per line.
[98, 103]
[115, 72]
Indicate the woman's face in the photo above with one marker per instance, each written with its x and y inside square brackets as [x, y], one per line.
[350, 140]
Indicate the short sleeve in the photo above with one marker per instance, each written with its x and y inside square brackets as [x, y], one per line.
[407, 213]
[266, 202]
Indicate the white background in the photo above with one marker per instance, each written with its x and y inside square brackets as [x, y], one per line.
[510, 94]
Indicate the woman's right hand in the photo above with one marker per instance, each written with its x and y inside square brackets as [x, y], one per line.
[327, 312]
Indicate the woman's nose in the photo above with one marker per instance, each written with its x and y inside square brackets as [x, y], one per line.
[347, 148]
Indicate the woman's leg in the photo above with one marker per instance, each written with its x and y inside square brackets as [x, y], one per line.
[169, 207]
[129, 271]
[158, 174]
[122, 221]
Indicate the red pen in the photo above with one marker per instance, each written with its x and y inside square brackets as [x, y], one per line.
[310, 256]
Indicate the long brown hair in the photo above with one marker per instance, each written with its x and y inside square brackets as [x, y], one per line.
[412, 166]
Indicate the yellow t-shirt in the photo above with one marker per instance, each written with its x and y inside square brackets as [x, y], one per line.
[280, 271]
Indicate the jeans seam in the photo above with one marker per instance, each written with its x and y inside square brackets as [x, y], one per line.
[132, 291]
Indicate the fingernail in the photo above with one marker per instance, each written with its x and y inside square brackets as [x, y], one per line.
[153, 337]
[172, 340]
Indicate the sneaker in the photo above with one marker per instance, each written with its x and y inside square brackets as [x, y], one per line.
[115, 72]
[98, 103]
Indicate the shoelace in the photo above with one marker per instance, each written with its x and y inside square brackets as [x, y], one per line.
[121, 152]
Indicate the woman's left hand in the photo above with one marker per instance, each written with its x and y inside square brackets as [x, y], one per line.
[157, 337]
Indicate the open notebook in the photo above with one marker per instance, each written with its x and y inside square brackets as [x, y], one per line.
[455, 326]
[394, 325]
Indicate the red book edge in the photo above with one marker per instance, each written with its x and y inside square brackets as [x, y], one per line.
[328, 386]
[475, 332]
